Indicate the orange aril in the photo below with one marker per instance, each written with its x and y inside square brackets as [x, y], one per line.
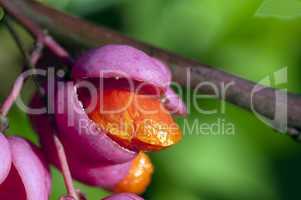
[135, 121]
[138, 177]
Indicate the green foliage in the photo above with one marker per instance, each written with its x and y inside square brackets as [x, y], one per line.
[231, 35]
[250, 38]
[286, 10]
[188, 27]
[81, 7]
[223, 166]
[1, 14]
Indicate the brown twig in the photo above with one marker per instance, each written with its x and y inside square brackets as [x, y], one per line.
[77, 34]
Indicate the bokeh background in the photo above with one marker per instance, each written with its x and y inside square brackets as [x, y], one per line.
[249, 38]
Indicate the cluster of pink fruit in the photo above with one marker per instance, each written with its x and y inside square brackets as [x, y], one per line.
[102, 156]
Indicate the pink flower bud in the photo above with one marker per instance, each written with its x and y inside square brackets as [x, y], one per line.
[27, 176]
[121, 61]
[5, 158]
[95, 157]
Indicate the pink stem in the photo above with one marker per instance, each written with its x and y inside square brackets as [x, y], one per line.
[55, 47]
[65, 168]
[11, 98]
[18, 84]
[42, 39]
[36, 53]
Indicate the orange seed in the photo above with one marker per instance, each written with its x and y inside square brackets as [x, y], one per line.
[135, 121]
[139, 176]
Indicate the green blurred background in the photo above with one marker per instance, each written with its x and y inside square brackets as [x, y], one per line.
[250, 38]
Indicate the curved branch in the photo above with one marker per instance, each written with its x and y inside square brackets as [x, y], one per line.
[78, 34]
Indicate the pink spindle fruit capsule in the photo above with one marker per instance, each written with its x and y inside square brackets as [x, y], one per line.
[103, 148]
[23, 172]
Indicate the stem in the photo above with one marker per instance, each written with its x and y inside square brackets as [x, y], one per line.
[18, 84]
[65, 168]
[33, 14]
[11, 98]
[37, 53]
[9, 101]
[31, 62]
[40, 35]
[16, 38]
[17, 87]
